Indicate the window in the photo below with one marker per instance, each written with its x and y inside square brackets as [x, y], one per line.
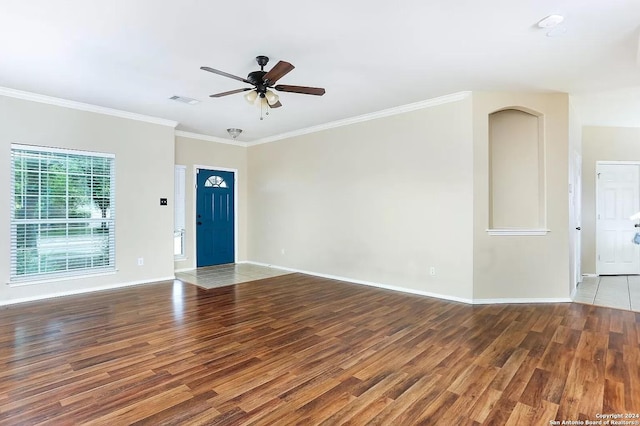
[62, 213]
[179, 221]
[215, 182]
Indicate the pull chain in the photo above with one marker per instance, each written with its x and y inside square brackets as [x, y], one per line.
[261, 106]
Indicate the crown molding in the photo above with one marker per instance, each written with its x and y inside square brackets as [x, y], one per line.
[454, 97]
[65, 103]
[191, 135]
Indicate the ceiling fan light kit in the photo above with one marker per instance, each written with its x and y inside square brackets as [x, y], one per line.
[251, 96]
[272, 98]
[262, 82]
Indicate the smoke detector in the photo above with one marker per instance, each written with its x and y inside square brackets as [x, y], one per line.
[550, 21]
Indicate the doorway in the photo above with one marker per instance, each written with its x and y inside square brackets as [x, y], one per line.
[215, 217]
[617, 199]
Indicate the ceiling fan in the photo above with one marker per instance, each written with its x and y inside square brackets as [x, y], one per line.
[263, 81]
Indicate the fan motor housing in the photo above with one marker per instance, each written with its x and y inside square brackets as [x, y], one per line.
[256, 78]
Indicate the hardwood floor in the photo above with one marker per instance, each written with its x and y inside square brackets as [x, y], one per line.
[299, 349]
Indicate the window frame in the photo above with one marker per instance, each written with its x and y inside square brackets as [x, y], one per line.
[107, 217]
[216, 181]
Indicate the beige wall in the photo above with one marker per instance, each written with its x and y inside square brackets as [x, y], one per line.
[144, 173]
[535, 267]
[191, 152]
[601, 144]
[379, 201]
[517, 196]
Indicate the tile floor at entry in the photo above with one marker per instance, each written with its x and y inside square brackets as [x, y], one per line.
[613, 291]
[229, 274]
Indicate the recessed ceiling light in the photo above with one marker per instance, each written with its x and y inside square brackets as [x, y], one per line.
[551, 21]
[184, 100]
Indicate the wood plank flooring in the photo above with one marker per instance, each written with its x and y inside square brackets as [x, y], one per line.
[304, 350]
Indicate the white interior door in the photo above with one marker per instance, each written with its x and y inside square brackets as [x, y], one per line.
[618, 198]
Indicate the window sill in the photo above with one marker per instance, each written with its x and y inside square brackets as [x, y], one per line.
[518, 232]
[58, 279]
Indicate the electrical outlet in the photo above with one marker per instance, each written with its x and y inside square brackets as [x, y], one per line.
[163, 201]
[432, 270]
[140, 261]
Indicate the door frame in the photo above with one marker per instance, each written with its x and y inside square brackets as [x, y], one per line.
[597, 198]
[575, 207]
[197, 167]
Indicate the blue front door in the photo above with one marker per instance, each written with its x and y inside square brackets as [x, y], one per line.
[214, 218]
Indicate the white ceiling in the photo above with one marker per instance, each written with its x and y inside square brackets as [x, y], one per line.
[132, 55]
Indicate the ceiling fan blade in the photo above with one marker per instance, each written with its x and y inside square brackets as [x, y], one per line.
[318, 91]
[224, 74]
[230, 92]
[276, 105]
[281, 69]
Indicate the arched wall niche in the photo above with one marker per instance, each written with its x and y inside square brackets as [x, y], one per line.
[517, 199]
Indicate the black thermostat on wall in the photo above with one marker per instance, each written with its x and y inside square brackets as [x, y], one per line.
[163, 201]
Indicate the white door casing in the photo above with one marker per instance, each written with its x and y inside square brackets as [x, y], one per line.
[576, 203]
[618, 198]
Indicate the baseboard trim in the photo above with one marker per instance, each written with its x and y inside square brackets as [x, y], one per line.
[574, 291]
[367, 283]
[84, 290]
[417, 292]
[522, 300]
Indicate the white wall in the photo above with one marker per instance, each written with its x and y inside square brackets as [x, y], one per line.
[144, 159]
[379, 201]
[191, 152]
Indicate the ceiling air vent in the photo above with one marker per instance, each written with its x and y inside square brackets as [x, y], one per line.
[184, 100]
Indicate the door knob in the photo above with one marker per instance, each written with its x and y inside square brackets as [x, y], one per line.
[637, 225]
[578, 228]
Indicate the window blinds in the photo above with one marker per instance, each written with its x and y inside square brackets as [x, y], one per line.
[62, 212]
